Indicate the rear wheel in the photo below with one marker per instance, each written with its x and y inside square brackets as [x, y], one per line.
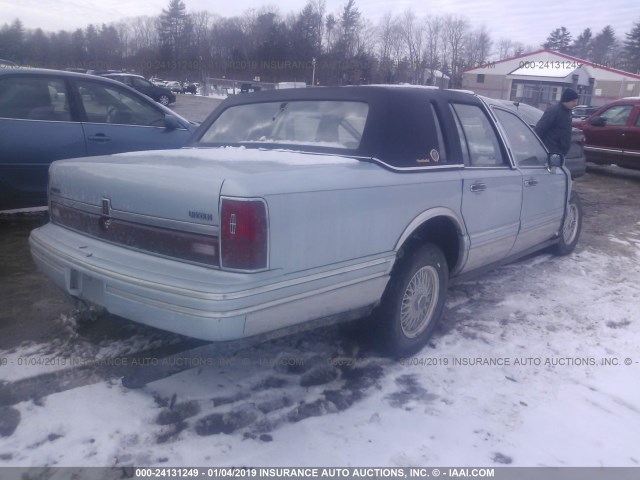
[414, 300]
[571, 227]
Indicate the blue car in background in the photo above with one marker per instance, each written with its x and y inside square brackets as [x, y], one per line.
[47, 115]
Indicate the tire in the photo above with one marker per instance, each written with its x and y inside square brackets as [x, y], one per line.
[414, 300]
[164, 100]
[571, 227]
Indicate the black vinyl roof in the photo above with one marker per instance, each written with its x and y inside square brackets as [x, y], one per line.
[400, 127]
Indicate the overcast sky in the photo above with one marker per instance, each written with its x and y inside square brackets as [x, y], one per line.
[526, 21]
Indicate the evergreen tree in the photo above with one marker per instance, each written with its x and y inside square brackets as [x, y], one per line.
[604, 45]
[174, 29]
[37, 48]
[632, 49]
[306, 33]
[12, 42]
[559, 40]
[582, 46]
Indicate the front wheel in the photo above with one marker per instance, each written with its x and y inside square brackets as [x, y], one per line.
[164, 100]
[571, 227]
[413, 301]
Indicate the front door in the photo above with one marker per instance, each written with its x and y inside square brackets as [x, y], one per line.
[631, 142]
[543, 189]
[118, 121]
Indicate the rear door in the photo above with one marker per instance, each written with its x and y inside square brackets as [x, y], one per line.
[492, 189]
[116, 120]
[631, 142]
[36, 127]
[603, 143]
[543, 189]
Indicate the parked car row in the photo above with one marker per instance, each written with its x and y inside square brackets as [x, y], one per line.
[175, 86]
[46, 115]
[161, 95]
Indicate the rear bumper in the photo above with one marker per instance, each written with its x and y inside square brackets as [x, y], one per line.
[197, 301]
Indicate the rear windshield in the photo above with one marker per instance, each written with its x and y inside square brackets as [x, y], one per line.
[327, 123]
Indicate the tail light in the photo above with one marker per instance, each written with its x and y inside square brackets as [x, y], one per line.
[244, 234]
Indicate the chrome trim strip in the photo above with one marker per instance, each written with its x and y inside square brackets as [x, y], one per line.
[35, 120]
[243, 311]
[165, 223]
[128, 125]
[477, 167]
[632, 153]
[179, 225]
[589, 148]
[206, 295]
[451, 166]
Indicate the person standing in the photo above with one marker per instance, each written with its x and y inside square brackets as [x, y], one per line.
[554, 127]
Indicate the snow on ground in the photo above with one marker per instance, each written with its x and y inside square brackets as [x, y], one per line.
[513, 376]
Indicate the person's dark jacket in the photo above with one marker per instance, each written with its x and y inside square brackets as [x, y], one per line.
[554, 128]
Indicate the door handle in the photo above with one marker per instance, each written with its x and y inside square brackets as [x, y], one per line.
[99, 137]
[478, 187]
[531, 182]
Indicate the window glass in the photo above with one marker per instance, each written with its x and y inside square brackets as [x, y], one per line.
[109, 104]
[525, 146]
[617, 116]
[479, 136]
[333, 124]
[34, 98]
[463, 140]
[139, 82]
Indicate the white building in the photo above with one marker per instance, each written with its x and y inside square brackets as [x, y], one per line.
[538, 78]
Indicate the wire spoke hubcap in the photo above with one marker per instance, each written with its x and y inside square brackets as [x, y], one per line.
[419, 301]
[570, 227]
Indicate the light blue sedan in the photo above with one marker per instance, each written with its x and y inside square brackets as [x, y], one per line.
[47, 115]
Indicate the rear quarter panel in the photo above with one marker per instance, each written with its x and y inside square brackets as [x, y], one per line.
[325, 215]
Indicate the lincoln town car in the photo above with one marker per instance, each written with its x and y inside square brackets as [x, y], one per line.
[292, 208]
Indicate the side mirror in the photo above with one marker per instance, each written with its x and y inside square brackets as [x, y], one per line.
[171, 122]
[555, 160]
[598, 122]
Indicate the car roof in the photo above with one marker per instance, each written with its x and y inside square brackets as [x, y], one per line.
[21, 71]
[121, 74]
[624, 101]
[399, 122]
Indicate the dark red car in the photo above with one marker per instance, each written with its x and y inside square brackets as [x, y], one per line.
[612, 133]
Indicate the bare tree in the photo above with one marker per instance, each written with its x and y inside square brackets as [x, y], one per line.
[388, 41]
[413, 35]
[454, 31]
[433, 47]
[477, 46]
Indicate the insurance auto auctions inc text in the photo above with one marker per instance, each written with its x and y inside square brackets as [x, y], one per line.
[516, 361]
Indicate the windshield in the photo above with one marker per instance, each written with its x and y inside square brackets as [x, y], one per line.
[332, 124]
